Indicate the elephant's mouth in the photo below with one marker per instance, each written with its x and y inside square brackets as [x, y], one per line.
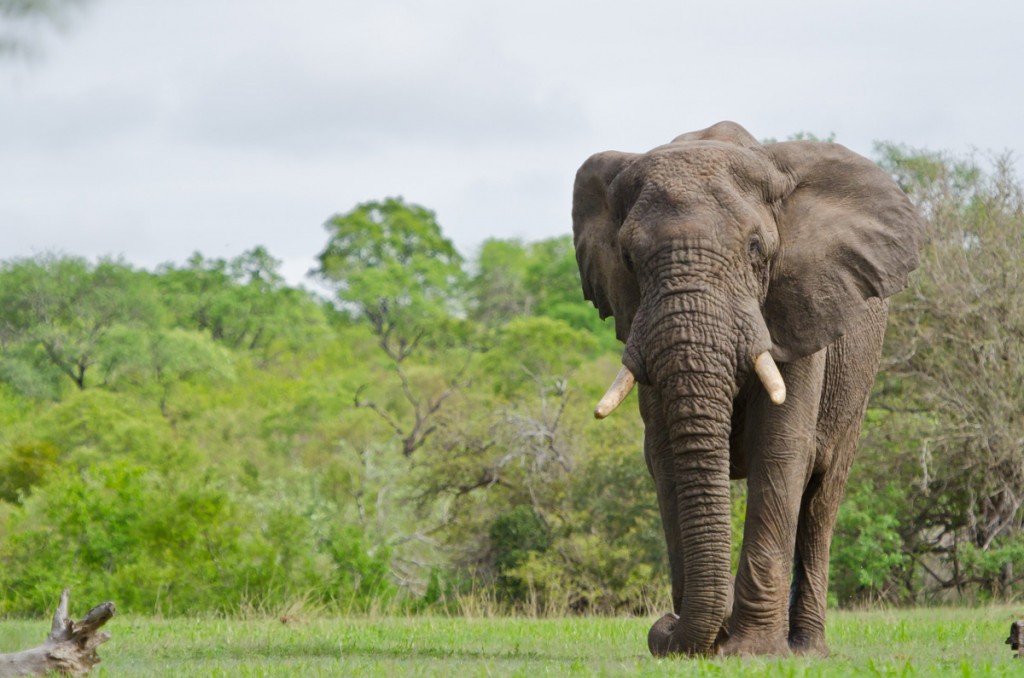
[764, 366]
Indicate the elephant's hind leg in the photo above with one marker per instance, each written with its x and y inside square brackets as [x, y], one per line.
[809, 591]
[850, 367]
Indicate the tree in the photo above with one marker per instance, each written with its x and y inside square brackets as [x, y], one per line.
[57, 312]
[395, 274]
[948, 416]
[157, 362]
[498, 290]
[390, 265]
[243, 303]
[541, 278]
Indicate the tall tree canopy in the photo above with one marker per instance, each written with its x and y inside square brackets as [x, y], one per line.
[390, 264]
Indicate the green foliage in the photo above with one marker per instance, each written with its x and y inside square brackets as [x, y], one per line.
[532, 352]
[360, 571]
[538, 279]
[97, 423]
[59, 313]
[997, 569]
[948, 411]
[867, 549]
[178, 541]
[514, 536]
[114, 530]
[738, 517]
[27, 371]
[606, 554]
[390, 264]
[24, 467]
[242, 303]
[499, 286]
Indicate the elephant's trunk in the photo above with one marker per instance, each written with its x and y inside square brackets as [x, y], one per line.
[695, 373]
[699, 439]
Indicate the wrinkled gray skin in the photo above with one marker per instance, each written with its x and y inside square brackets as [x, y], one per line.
[708, 251]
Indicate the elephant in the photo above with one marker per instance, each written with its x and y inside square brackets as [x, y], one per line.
[749, 284]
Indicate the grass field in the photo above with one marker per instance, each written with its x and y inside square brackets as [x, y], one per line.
[923, 642]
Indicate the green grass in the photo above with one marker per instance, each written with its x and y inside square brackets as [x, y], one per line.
[922, 642]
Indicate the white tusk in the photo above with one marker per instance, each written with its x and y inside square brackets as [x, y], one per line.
[617, 392]
[768, 373]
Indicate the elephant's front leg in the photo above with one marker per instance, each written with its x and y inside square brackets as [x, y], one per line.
[658, 455]
[780, 443]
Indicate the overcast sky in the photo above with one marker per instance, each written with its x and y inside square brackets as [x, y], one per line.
[155, 129]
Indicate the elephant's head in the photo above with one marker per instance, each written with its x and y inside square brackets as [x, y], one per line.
[713, 253]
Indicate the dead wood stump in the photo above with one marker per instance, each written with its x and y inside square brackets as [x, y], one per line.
[1016, 639]
[70, 648]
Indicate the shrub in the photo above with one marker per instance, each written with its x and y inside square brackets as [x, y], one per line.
[867, 555]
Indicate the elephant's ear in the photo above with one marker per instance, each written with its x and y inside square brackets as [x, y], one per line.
[597, 214]
[847, 233]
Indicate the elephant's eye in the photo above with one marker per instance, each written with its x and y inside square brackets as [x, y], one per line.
[754, 248]
[627, 260]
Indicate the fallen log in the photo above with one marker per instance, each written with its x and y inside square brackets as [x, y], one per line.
[70, 649]
[1016, 639]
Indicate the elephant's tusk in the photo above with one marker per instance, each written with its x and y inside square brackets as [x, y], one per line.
[617, 392]
[768, 373]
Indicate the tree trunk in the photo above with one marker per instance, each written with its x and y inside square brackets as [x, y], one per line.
[70, 649]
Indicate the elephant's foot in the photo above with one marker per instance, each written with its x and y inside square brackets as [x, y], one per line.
[813, 645]
[745, 646]
[659, 638]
